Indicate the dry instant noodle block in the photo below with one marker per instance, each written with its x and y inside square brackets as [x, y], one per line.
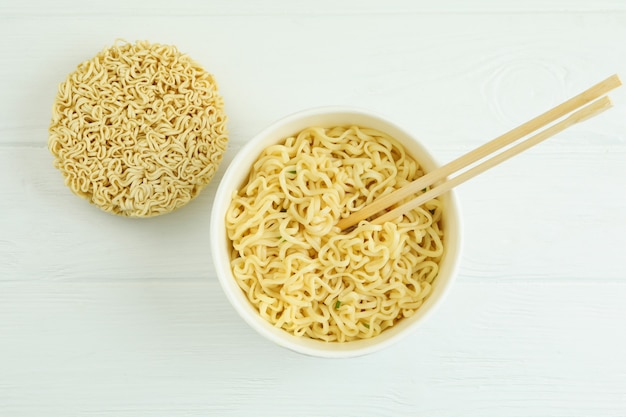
[138, 130]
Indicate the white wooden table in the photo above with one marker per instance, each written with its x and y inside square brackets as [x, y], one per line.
[107, 316]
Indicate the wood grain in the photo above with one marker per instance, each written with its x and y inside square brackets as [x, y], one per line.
[487, 73]
[176, 348]
[544, 229]
[105, 316]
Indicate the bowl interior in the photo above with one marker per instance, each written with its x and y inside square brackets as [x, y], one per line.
[237, 173]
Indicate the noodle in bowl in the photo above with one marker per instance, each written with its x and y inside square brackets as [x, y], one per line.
[285, 266]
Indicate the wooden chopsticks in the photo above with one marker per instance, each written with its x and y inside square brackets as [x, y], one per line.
[583, 107]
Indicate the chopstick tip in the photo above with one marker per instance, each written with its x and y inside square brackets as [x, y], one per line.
[617, 80]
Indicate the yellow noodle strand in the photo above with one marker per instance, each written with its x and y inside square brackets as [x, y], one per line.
[294, 265]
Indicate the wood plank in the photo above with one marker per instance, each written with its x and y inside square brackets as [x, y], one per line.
[176, 348]
[321, 7]
[106, 316]
[49, 233]
[550, 214]
[450, 78]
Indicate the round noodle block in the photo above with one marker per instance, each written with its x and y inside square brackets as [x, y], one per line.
[138, 130]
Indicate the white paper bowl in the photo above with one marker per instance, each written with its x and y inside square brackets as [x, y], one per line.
[237, 173]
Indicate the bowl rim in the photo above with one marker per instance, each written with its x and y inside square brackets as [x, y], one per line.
[222, 263]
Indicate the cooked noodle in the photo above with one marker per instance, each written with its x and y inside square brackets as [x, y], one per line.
[294, 265]
[138, 130]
